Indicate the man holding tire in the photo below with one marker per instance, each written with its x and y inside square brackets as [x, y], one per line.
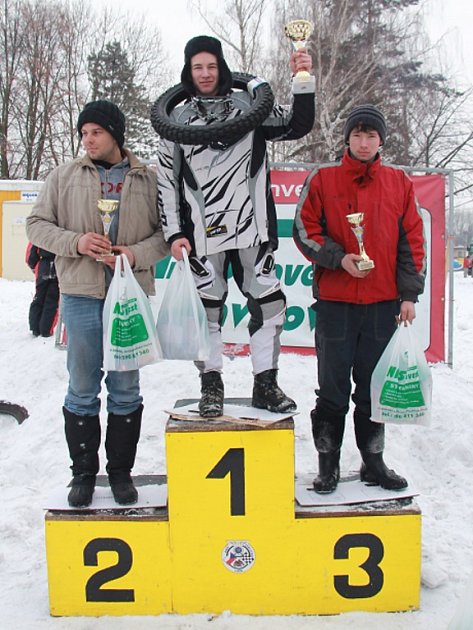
[216, 202]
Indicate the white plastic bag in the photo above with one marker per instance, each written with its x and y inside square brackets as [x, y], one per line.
[129, 335]
[401, 383]
[182, 325]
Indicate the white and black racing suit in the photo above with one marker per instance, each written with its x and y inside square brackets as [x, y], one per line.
[219, 198]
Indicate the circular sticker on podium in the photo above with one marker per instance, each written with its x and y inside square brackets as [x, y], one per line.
[238, 556]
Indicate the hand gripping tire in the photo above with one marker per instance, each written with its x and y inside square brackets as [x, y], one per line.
[226, 132]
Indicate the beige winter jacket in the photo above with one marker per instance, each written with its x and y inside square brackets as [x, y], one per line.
[67, 208]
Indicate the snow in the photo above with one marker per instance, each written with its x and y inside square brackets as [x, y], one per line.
[34, 462]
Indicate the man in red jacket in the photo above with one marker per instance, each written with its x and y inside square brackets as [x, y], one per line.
[358, 302]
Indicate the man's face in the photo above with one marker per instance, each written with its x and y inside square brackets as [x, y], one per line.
[99, 144]
[364, 145]
[204, 72]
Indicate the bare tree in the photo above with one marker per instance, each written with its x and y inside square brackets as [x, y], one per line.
[11, 45]
[44, 47]
[240, 26]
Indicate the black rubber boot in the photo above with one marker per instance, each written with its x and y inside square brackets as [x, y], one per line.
[81, 492]
[123, 433]
[211, 401]
[268, 395]
[375, 472]
[83, 441]
[329, 472]
[327, 431]
[369, 435]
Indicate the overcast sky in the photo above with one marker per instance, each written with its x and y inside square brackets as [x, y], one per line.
[449, 20]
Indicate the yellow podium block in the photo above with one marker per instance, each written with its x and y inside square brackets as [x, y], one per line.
[355, 561]
[101, 564]
[231, 505]
[233, 538]
[239, 544]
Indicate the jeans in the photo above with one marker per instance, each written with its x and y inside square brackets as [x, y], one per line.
[82, 317]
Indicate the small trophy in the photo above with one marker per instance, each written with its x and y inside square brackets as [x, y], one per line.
[299, 32]
[107, 208]
[355, 219]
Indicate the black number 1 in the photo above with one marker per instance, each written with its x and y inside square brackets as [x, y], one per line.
[233, 463]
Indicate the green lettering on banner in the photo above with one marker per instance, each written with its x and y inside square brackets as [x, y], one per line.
[290, 274]
[308, 276]
[285, 228]
[295, 317]
[163, 269]
[290, 277]
[239, 312]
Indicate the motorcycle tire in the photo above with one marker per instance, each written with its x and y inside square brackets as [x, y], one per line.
[226, 132]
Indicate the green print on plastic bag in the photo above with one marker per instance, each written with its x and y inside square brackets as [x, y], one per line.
[401, 388]
[129, 327]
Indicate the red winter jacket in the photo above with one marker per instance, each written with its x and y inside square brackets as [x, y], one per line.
[393, 231]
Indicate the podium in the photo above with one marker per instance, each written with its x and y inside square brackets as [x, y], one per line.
[233, 538]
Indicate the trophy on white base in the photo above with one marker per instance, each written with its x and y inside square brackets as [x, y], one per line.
[299, 32]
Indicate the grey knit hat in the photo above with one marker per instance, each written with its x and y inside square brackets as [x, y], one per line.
[107, 115]
[366, 115]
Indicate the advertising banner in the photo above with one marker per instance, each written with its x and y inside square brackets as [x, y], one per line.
[295, 273]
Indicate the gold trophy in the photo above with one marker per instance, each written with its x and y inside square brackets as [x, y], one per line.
[356, 219]
[299, 32]
[107, 208]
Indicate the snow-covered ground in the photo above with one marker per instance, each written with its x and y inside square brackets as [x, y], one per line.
[34, 462]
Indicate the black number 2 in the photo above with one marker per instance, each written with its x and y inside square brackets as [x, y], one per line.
[93, 590]
[233, 463]
[370, 566]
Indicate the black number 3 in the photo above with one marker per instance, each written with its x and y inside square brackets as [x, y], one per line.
[371, 565]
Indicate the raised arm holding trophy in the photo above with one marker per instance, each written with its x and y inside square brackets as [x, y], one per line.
[216, 202]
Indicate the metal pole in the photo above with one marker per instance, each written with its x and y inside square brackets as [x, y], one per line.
[450, 252]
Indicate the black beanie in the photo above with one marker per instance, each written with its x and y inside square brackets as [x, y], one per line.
[367, 115]
[205, 43]
[105, 114]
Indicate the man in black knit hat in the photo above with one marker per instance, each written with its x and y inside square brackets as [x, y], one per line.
[216, 202]
[358, 305]
[65, 220]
